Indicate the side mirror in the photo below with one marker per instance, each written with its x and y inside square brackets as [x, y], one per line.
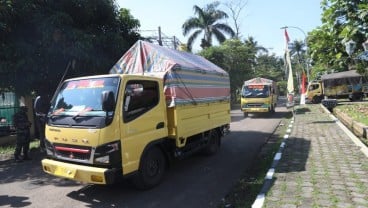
[40, 105]
[108, 101]
[37, 104]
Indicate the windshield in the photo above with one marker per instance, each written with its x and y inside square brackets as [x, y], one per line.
[83, 97]
[256, 91]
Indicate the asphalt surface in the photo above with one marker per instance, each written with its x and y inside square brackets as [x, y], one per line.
[198, 181]
[319, 164]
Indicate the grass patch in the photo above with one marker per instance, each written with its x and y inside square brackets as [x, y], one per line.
[247, 188]
[9, 148]
[357, 111]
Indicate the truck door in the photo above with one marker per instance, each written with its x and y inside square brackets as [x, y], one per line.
[143, 119]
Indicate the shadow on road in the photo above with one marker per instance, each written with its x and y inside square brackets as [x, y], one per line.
[276, 115]
[30, 171]
[294, 156]
[14, 201]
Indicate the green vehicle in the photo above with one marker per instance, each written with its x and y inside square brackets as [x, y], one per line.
[8, 106]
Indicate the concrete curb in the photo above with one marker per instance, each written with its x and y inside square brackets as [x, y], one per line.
[355, 139]
[267, 183]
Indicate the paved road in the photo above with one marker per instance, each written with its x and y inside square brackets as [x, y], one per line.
[321, 165]
[198, 181]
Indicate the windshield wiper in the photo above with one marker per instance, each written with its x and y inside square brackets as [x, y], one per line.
[80, 113]
[57, 112]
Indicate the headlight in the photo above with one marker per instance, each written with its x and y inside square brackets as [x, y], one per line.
[108, 154]
[103, 159]
[49, 148]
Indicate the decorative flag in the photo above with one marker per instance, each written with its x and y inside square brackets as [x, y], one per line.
[287, 37]
[290, 83]
[304, 82]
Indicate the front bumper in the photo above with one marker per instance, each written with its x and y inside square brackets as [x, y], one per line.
[255, 110]
[82, 173]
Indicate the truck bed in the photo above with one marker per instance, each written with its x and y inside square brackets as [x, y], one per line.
[188, 120]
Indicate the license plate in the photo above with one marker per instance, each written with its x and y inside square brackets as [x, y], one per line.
[65, 172]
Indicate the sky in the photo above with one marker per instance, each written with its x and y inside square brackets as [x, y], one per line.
[260, 19]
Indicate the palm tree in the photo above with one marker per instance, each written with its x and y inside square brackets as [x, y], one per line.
[297, 48]
[253, 46]
[207, 22]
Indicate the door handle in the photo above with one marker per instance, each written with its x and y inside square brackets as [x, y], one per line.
[160, 125]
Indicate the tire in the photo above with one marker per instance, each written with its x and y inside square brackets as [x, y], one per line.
[358, 97]
[316, 99]
[151, 169]
[272, 109]
[245, 114]
[213, 144]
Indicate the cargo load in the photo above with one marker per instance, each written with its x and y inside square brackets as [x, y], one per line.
[339, 85]
[188, 78]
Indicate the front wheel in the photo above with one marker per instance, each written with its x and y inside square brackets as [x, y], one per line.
[316, 99]
[151, 169]
[272, 109]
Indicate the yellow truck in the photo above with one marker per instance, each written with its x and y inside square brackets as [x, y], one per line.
[340, 85]
[155, 106]
[258, 95]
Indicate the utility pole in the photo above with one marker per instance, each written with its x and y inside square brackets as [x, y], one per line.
[159, 36]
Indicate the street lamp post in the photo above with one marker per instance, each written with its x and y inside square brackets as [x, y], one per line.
[350, 48]
[365, 45]
[306, 45]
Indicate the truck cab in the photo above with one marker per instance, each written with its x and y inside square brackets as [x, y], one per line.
[91, 120]
[314, 92]
[258, 95]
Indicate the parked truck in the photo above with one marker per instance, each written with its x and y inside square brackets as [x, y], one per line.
[155, 106]
[340, 85]
[259, 95]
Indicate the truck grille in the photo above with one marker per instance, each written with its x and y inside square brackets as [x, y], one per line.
[72, 152]
[254, 105]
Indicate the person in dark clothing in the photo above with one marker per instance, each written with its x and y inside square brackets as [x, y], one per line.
[41, 108]
[22, 126]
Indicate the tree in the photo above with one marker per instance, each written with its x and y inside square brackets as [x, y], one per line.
[252, 44]
[254, 49]
[298, 56]
[236, 7]
[233, 57]
[271, 67]
[40, 38]
[341, 21]
[298, 50]
[239, 60]
[207, 23]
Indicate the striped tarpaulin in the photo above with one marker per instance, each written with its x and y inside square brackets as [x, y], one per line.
[188, 78]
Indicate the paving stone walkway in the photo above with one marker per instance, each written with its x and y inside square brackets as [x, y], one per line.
[320, 166]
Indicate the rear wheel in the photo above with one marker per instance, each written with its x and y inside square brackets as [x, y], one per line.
[151, 169]
[358, 97]
[213, 144]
